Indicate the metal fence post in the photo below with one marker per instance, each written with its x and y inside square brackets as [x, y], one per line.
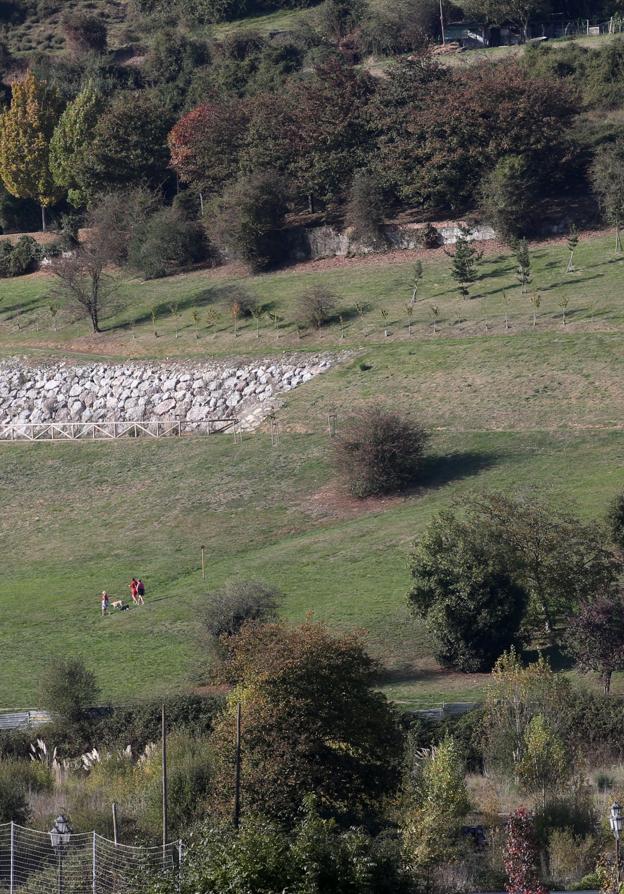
[94, 865]
[12, 860]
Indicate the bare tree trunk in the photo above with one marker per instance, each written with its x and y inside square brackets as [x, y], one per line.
[43, 218]
[618, 239]
[606, 680]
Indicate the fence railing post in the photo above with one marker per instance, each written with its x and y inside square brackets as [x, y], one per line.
[94, 865]
[12, 860]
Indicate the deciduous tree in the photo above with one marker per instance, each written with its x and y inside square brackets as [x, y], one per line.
[439, 804]
[71, 141]
[312, 722]
[467, 593]
[520, 856]
[607, 174]
[596, 636]
[26, 129]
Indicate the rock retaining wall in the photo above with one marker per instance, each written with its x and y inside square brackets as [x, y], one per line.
[96, 392]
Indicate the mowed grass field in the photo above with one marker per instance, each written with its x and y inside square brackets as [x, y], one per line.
[512, 408]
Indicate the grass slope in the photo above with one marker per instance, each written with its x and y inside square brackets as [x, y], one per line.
[512, 409]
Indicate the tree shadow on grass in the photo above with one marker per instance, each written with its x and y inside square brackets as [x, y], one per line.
[557, 658]
[437, 471]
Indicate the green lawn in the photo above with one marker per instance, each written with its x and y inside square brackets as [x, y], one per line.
[363, 289]
[512, 409]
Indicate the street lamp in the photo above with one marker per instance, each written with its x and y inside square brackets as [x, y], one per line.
[60, 834]
[615, 821]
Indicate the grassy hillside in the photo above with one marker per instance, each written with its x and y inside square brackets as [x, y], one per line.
[516, 409]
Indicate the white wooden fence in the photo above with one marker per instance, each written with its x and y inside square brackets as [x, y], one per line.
[14, 430]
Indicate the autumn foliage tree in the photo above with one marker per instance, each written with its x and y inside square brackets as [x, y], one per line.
[312, 723]
[596, 636]
[26, 129]
[205, 145]
[520, 855]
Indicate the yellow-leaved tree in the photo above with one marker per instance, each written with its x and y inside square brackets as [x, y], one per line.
[25, 132]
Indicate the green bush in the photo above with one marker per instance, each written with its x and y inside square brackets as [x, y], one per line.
[248, 220]
[141, 723]
[236, 602]
[13, 796]
[166, 243]
[19, 259]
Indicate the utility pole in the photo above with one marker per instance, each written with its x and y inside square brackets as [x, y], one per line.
[442, 22]
[164, 781]
[237, 768]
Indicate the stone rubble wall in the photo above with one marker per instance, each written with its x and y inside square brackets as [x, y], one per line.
[97, 392]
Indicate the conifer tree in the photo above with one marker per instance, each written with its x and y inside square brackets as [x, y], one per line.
[71, 140]
[25, 132]
[466, 257]
[523, 260]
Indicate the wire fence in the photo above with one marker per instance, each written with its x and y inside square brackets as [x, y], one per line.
[87, 864]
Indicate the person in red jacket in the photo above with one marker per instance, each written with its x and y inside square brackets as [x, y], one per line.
[134, 586]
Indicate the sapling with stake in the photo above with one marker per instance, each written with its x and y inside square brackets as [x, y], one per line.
[523, 260]
[235, 310]
[196, 320]
[506, 305]
[342, 326]
[563, 304]
[257, 313]
[435, 313]
[536, 299]
[54, 309]
[174, 309]
[417, 275]
[409, 309]
[384, 317]
[573, 241]
[154, 316]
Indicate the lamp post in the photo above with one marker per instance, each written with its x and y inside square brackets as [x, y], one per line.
[615, 821]
[60, 834]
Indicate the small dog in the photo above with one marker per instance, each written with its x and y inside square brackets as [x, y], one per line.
[120, 604]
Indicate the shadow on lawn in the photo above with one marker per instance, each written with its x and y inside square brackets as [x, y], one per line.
[437, 471]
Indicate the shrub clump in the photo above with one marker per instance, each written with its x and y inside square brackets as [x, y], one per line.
[316, 306]
[236, 602]
[380, 452]
[19, 259]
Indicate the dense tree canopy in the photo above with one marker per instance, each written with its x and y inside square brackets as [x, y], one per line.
[312, 722]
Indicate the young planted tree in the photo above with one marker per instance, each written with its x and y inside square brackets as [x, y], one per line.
[573, 241]
[596, 636]
[465, 262]
[607, 175]
[417, 275]
[535, 299]
[26, 129]
[439, 804]
[544, 765]
[506, 306]
[564, 302]
[434, 310]
[384, 317]
[523, 260]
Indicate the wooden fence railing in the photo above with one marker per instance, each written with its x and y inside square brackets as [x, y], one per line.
[13, 430]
